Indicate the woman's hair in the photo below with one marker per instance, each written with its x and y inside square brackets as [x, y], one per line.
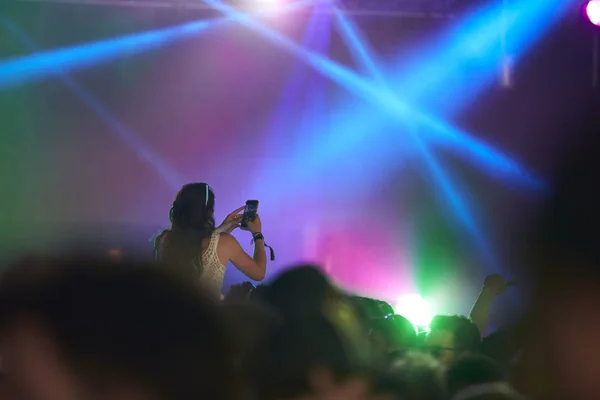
[192, 220]
[193, 209]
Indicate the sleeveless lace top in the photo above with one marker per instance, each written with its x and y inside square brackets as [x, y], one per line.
[205, 268]
[212, 269]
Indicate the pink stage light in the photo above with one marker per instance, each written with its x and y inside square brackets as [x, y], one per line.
[592, 10]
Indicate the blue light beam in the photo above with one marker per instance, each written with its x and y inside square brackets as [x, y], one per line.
[441, 178]
[397, 109]
[171, 177]
[453, 70]
[31, 68]
[293, 86]
[358, 46]
[38, 66]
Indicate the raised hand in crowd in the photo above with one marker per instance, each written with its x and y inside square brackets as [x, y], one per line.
[496, 284]
[493, 286]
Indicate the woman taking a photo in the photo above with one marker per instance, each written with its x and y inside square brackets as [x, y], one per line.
[196, 250]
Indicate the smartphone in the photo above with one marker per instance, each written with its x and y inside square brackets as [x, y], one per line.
[249, 212]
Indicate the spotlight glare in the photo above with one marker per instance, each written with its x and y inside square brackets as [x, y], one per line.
[592, 10]
[414, 308]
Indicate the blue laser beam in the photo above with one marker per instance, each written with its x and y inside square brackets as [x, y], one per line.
[470, 55]
[358, 46]
[396, 108]
[441, 178]
[298, 77]
[38, 66]
[449, 74]
[35, 67]
[172, 177]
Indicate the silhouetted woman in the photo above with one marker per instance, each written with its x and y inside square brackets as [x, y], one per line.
[195, 249]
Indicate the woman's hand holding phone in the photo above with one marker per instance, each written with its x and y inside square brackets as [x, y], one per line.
[253, 226]
[232, 221]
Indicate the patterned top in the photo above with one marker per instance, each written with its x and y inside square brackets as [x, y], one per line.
[212, 269]
[208, 271]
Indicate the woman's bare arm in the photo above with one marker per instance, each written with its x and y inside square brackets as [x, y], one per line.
[255, 267]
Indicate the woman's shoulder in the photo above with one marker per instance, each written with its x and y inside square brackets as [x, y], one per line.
[225, 247]
[227, 240]
[223, 236]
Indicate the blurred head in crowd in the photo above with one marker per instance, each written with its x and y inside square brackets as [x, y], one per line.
[259, 294]
[504, 344]
[306, 291]
[249, 324]
[297, 350]
[321, 332]
[393, 334]
[472, 369]
[300, 291]
[417, 376]
[451, 336]
[372, 309]
[192, 220]
[488, 391]
[72, 330]
[563, 347]
[239, 293]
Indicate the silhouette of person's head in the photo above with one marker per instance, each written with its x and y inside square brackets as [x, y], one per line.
[394, 334]
[451, 336]
[416, 376]
[105, 330]
[472, 369]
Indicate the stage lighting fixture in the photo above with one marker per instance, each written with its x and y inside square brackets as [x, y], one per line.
[592, 11]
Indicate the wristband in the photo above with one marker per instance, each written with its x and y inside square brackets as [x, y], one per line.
[259, 236]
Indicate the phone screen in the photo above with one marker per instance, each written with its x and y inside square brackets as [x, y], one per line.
[249, 212]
